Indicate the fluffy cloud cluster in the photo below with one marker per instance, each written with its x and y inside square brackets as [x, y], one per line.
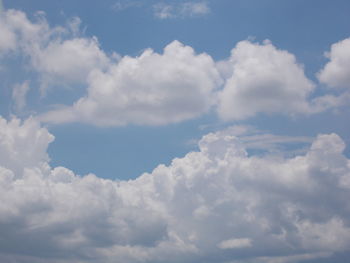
[336, 73]
[177, 85]
[151, 89]
[158, 89]
[215, 205]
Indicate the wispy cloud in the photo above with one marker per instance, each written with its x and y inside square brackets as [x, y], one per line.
[19, 95]
[193, 9]
[166, 9]
[182, 10]
[163, 11]
[125, 4]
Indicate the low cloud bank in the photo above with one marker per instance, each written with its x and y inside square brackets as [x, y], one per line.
[218, 204]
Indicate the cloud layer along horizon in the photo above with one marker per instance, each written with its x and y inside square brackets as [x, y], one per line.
[218, 204]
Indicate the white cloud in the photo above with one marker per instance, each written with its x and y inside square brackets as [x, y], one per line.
[16, 30]
[151, 89]
[264, 80]
[68, 61]
[336, 72]
[58, 54]
[182, 10]
[23, 145]
[19, 95]
[218, 203]
[29, 34]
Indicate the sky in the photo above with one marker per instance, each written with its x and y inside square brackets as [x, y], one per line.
[174, 131]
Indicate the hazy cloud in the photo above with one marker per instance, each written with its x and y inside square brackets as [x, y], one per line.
[8, 38]
[19, 94]
[126, 4]
[235, 243]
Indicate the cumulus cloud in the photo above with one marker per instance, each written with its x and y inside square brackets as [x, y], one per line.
[187, 9]
[158, 89]
[336, 72]
[57, 54]
[264, 80]
[151, 89]
[69, 61]
[23, 145]
[219, 203]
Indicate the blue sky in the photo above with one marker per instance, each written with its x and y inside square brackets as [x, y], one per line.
[165, 88]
